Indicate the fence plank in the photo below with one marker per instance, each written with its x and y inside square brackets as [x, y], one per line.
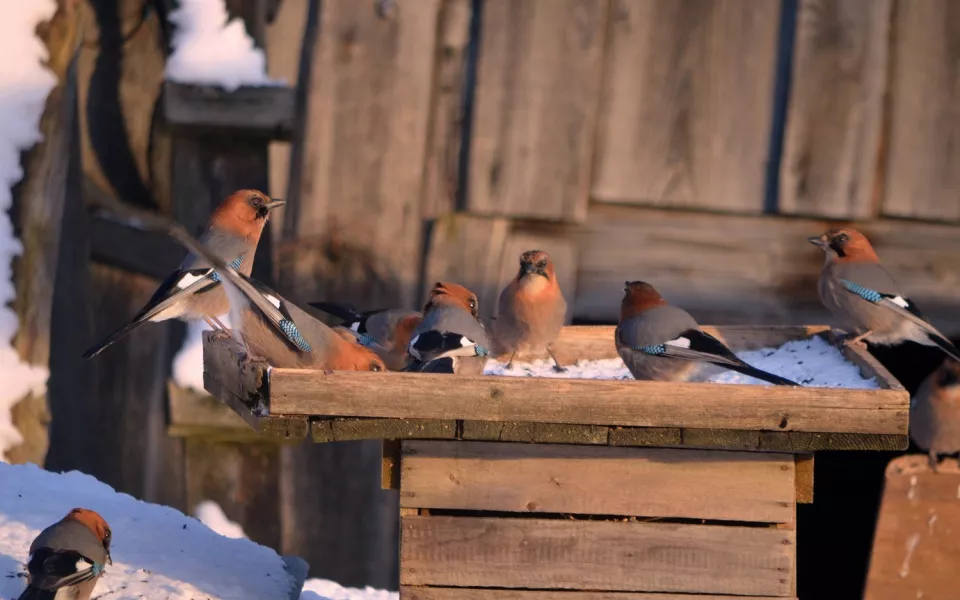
[597, 555]
[835, 120]
[923, 165]
[535, 106]
[450, 593]
[687, 103]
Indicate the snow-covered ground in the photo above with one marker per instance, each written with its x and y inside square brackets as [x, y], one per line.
[210, 49]
[811, 362]
[24, 86]
[158, 552]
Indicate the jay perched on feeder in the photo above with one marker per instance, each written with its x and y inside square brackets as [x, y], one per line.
[865, 298]
[387, 331]
[450, 339]
[68, 557]
[935, 412]
[193, 291]
[531, 310]
[277, 331]
[660, 342]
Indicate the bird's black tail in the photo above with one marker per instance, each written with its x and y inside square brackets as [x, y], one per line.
[32, 593]
[758, 374]
[945, 345]
[341, 311]
[444, 364]
[114, 337]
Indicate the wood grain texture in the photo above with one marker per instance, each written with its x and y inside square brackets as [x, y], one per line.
[450, 593]
[353, 227]
[196, 414]
[342, 430]
[916, 546]
[751, 270]
[804, 478]
[597, 555]
[523, 478]
[589, 402]
[687, 103]
[923, 163]
[253, 111]
[835, 123]
[535, 107]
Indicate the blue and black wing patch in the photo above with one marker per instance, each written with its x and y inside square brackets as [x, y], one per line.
[433, 344]
[53, 570]
[276, 311]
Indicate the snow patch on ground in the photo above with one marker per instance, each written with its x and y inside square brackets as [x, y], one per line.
[211, 49]
[211, 515]
[158, 552]
[188, 363]
[25, 84]
[812, 362]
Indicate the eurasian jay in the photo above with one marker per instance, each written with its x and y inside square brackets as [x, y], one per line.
[193, 291]
[450, 339]
[865, 298]
[270, 328]
[935, 412]
[68, 557]
[531, 310]
[660, 342]
[388, 331]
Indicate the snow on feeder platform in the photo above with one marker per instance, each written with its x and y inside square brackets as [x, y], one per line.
[624, 486]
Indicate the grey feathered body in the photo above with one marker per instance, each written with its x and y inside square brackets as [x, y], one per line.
[658, 325]
[858, 315]
[71, 535]
[446, 319]
[528, 320]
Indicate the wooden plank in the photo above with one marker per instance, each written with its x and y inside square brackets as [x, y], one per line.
[834, 127]
[922, 173]
[130, 248]
[804, 478]
[525, 478]
[252, 111]
[390, 469]
[551, 554]
[750, 270]
[869, 365]
[539, 433]
[535, 107]
[196, 414]
[589, 402]
[442, 168]
[342, 430]
[409, 592]
[686, 105]
[805, 441]
[916, 546]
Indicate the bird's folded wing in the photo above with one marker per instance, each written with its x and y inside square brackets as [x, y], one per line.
[272, 307]
[52, 570]
[693, 345]
[432, 344]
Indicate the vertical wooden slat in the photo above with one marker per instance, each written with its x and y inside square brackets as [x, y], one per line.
[835, 120]
[536, 97]
[687, 103]
[923, 162]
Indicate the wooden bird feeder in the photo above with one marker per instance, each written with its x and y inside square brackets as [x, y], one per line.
[578, 489]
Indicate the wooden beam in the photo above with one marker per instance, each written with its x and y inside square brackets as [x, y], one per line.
[119, 244]
[250, 111]
[804, 478]
[593, 480]
[596, 555]
[409, 592]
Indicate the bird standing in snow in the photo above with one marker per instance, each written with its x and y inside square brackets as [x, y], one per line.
[531, 310]
[935, 412]
[450, 339]
[660, 342]
[865, 298]
[193, 291]
[68, 557]
[387, 331]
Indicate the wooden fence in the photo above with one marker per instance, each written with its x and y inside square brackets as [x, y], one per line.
[692, 143]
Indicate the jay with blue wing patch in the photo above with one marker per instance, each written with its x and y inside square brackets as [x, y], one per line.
[863, 296]
[387, 331]
[659, 342]
[193, 291]
[450, 338]
[68, 558]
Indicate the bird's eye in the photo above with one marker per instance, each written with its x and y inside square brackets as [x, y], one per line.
[842, 238]
[374, 366]
[542, 264]
[256, 201]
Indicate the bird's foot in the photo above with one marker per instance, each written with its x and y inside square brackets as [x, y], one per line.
[220, 334]
[558, 369]
[510, 366]
[249, 359]
[934, 463]
[853, 339]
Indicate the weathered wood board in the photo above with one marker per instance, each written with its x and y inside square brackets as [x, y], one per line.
[650, 482]
[596, 555]
[535, 107]
[687, 103]
[923, 165]
[451, 593]
[257, 111]
[916, 547]
[832, 145]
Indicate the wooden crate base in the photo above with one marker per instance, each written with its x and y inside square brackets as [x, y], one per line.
[599, 523]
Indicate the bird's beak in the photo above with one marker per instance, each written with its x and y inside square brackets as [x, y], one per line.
[109, 558]
[528, 268]
[275, 203]
[817, 241]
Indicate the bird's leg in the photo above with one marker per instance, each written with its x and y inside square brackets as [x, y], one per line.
[934, 463]
[857, 339]
[510, 362]
[249, 357]
[219, 333]
[556, 363]
[220, 324]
